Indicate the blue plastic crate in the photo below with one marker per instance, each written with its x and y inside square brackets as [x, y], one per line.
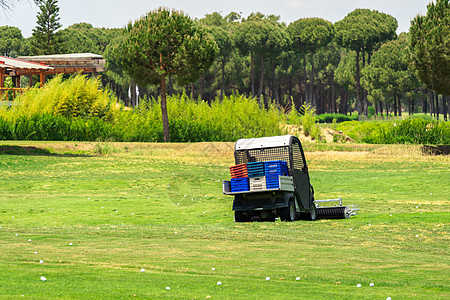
[255, 169]
[272, 181]
[239, 184]
[275, 164]
[277, 167]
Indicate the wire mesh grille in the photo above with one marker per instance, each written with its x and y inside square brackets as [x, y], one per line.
[297, 157]
[264, 154]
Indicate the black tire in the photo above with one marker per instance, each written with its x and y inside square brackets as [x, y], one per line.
[288, 213]
[312, 212]
[239, 216]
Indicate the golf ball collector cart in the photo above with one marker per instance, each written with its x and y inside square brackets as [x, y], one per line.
[294, 196]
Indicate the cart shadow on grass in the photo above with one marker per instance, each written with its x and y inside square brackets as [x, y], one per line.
[35, 151]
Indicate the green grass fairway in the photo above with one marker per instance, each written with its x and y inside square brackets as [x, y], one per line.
[98, 213]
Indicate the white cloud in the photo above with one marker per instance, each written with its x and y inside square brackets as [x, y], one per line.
[294, 3]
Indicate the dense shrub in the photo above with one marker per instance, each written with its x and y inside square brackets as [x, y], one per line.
[77, 97]
[411, 131]
[233, 118]
[328, 118]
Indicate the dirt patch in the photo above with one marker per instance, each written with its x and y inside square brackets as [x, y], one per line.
[23, 150]
[328, 134]
[436, 150]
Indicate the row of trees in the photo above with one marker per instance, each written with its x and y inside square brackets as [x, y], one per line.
[356, 62]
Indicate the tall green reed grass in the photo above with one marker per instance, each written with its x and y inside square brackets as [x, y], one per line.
[409, 131]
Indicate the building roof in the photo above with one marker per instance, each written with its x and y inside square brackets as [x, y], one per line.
[62, 57]
[14, 63]
[70, 63]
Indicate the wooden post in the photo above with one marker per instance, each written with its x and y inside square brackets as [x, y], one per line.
[2, 80]
[42, 78]
[30, 80]
[2, 77]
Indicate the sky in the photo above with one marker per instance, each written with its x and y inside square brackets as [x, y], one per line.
[117, 13]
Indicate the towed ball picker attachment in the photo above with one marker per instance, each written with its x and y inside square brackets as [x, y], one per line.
[271, 179]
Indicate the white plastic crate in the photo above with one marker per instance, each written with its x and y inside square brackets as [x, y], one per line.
[258, 183]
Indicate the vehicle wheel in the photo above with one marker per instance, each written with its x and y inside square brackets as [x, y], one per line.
[313, 213]
[288, 213]
[239, 216]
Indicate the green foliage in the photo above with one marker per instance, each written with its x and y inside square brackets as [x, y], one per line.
[339, 118]
[310, 34]
[46, 39]
[12, 43]
[370, 111]
[229, 120]
[308, 119]
[77, 97]
[293, 117]
[365, 28]
[430, 46]
[410, 131]
[47, 127]
[83, 37]
[166, 42]
[390, 72]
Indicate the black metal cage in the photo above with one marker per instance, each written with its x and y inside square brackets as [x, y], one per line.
[264, 154]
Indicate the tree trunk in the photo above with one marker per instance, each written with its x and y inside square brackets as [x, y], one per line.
[364, 92]
[425, 106]
[301, 98]
[261, 78]
[223, 80]
[381, 108]
[170, 86]
[333, 96]
[399, 105]
[444, 106]
[358, 85]
[409, 106]
[252, 75]
[395, 105]
[306, 98]
[165, 117]
[430, 96]
[436, 108]
[313, 97]
[274, 83]
[133, 93]
[202, 84]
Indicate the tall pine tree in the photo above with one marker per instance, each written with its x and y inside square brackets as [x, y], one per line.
[46, 39]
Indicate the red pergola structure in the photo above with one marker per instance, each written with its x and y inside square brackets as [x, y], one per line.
[15, 68]
[43, 65]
